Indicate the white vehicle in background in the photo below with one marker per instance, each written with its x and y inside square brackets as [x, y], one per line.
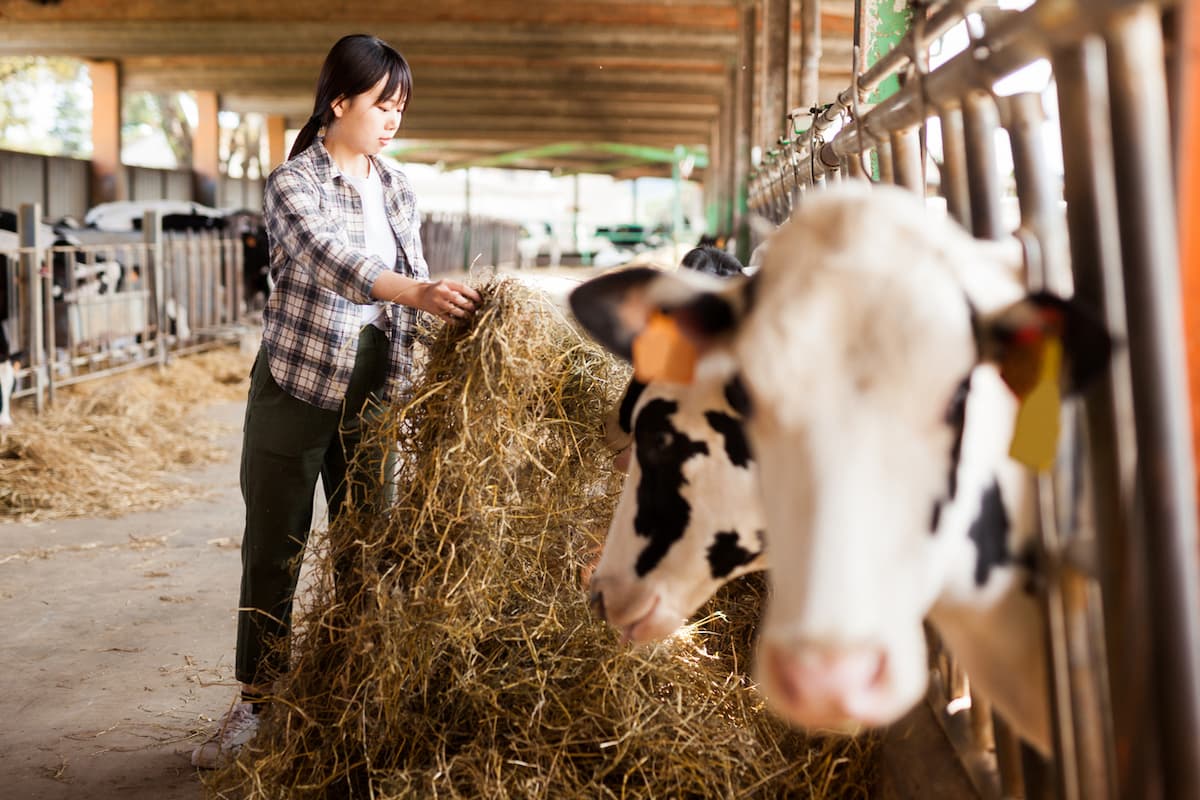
[539, 241]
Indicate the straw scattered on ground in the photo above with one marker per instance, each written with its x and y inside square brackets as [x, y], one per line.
[456, 657]
[110, 446]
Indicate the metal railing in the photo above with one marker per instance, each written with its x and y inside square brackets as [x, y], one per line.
[90, 311]
[1118, 527]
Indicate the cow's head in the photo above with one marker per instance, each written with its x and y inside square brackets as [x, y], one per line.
[855, 343]
[688, 520]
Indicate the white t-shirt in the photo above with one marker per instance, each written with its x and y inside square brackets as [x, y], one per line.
[380, 239]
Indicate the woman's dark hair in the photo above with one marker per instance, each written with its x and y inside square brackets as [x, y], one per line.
[354, 65]
[712, 260]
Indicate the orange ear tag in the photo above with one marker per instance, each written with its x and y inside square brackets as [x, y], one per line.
[1035, 437]
[662, 353]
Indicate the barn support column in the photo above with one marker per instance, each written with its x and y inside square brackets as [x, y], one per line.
[743, 116]
[775, 49]
[206, 158]
[723, 174]
[808, 88]
[276, 140]
[108, 176]
[714, 185]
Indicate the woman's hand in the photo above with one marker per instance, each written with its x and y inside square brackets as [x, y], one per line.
[448, 300]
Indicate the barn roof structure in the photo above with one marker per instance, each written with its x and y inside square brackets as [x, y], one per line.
[578, 85]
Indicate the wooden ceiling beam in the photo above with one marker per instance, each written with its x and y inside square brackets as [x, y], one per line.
[666, 13]
[124, 39]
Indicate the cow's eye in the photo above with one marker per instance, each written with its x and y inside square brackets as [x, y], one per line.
[656, 444]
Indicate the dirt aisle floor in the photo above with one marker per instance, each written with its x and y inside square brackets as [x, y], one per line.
[119, 638]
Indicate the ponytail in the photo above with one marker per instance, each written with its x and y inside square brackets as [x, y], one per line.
[307, 135]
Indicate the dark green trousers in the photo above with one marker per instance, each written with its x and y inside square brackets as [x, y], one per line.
[286, 445]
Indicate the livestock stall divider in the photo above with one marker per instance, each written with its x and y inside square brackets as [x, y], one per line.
[90, 311]
[1118, 515]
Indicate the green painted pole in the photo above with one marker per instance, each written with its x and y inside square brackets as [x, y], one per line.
[887, 23]
[677, 180]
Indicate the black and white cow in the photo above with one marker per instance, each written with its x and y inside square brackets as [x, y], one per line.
[877, 371]
[683, 525]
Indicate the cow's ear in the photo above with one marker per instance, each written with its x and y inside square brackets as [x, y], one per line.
[671, 316]
[1015, 339]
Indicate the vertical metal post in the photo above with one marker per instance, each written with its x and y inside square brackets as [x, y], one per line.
[153, 275]
[1037, 191]
[49, 325]
[676, 200]
[906, 160]
[1092, 222]
[28, 217]
[852, 166]
[1165, 471]
[883, 155]
[468, 225]
[743, 124]
[980, 121]
[1078, 680]
[954, 166]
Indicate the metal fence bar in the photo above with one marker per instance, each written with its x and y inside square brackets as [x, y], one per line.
[981, 120]
[1078, 680]
[906, 160]
[1165, 471]
[27, 224]
[954, 165]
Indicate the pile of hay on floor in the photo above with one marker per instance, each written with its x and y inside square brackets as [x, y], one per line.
[458, 659]
[110, 446]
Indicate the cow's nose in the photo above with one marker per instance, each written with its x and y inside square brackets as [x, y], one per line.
[818, 687]
[596, 604]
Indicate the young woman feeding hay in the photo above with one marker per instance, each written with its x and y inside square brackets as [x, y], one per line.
[338, 331]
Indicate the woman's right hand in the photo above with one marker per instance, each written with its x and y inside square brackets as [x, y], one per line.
[448, 300]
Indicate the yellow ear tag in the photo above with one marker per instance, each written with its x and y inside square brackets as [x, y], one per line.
[662, 353]
[1035, 438]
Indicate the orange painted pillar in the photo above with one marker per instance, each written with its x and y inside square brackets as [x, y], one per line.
[108, 174]
[1188, 201]
[206, 153]
[276, 140]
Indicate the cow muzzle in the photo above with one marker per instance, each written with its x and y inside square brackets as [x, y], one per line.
[840, 688]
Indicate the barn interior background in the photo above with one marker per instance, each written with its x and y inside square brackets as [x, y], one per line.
[758, 102]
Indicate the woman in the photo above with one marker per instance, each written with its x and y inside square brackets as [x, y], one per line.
[338, 328]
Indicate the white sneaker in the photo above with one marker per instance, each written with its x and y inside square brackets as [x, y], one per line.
[237, 728]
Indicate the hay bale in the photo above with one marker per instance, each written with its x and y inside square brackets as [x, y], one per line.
[111, 446]
[457, 657]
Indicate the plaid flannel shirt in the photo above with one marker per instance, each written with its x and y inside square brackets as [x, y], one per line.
[321, 272]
